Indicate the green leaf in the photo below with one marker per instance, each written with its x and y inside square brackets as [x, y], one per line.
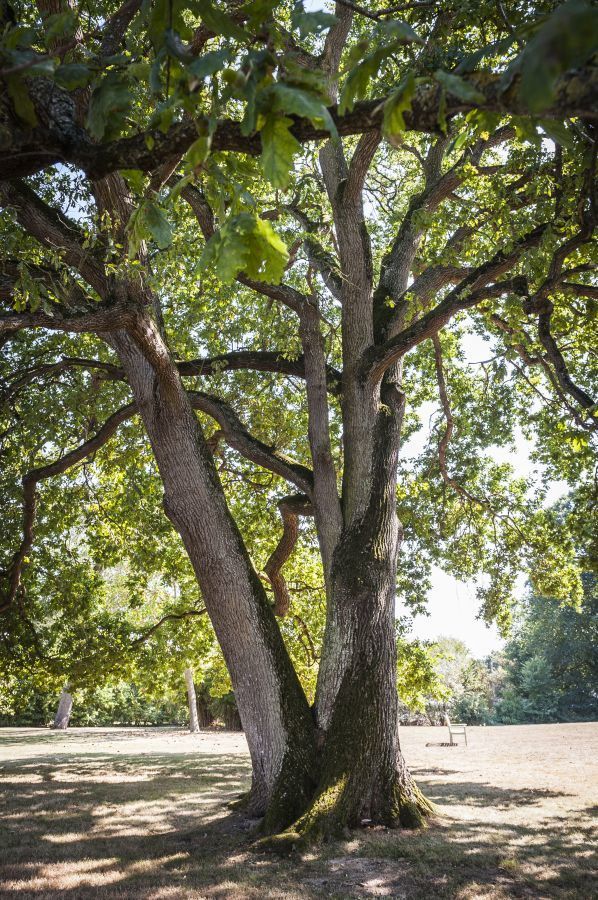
[110, 102]
[295, 101]
[247, 244]
[458, 87]
[148, 221]
[567, 40]
[401, 32]
[219, 22]
[59, 25]
[73, 75]
[18, 93]
[397, 104]
[558, 132]
[179, 187]
[157, 224]
[199, 151]
[268, 253]
[356, 85]
[278, 150]
[209, 63]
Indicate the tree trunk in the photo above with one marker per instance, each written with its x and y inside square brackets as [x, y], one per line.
[363, 774]
[205, 716]
[274, 711]
[192, 700]
[63, 713]
[359, 772]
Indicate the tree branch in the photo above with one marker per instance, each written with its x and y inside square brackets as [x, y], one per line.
[59, 141]
[282, 293]
[236, 436]
[32, 479]
[468, 293]
[170, 617]
[53, 230]
[290, 509]
[232, 429]
[253, 360]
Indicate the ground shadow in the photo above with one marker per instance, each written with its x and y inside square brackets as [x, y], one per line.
[103, 826]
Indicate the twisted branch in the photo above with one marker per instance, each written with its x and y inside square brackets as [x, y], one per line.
[290, 509]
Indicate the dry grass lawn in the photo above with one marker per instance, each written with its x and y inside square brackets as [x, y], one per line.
[141, 813]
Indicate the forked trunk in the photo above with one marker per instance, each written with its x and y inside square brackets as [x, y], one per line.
[63, 713]
[192, 701]
[364, 776]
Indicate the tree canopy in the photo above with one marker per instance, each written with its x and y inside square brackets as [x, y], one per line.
[258, 248]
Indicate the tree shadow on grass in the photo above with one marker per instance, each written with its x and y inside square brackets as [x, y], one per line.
[553, 855]
[151, 826]
[85, 734]
[100, 826]
[473, 793]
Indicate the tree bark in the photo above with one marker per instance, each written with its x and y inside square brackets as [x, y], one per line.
[274, 712]
[192, 700]
[363, 774]
[204, 713]
[63, 713]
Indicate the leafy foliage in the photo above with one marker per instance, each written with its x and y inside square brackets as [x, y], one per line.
[105, 565]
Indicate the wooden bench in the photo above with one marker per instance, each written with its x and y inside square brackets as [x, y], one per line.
[456, 728]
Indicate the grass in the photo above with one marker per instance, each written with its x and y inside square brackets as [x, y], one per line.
[141, 813]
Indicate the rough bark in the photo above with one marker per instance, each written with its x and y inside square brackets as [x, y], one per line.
[363, 773]
[273, 709]
[63, 713]
[192, 700]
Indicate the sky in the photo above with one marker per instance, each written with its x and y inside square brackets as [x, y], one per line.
[452, 607]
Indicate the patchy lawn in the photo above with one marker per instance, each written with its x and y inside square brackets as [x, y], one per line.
[141, 813]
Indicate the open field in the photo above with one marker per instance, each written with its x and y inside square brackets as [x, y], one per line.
[140, 813]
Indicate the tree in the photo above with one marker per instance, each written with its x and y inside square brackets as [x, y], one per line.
[193, 720]
[551, 661]
[220, 195]
[63, 713]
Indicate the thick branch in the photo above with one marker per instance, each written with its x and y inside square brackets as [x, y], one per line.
[53, 230]
[558, 361]
[237, 437]
[232, 429]
[32, 479]
[54, 142]
[253, 360]
[116, 26]
[290, 509]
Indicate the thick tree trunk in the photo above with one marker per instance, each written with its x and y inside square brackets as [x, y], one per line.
[205, 716]
[363, 774]
[63, 713]
[359, 772]
[192, 700]
[274, 712]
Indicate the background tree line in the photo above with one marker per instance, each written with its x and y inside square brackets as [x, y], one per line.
[547, 672]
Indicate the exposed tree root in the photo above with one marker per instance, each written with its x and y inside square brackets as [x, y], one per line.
[332, 813]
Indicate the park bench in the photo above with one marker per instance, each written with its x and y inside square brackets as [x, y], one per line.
[456, 728]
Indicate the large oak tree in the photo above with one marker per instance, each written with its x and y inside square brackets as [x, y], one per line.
[349, 195]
